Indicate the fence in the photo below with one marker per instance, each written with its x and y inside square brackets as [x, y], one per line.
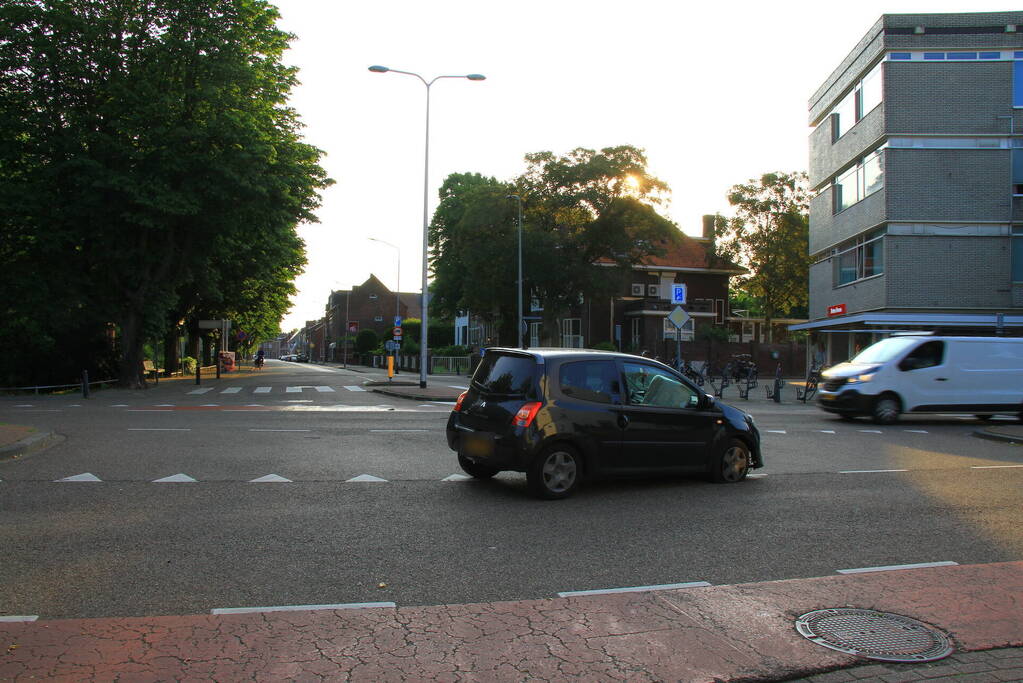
[438, 365]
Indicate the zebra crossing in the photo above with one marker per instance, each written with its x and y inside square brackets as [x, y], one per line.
[298, 389]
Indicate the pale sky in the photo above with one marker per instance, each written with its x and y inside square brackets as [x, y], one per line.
[715, 93]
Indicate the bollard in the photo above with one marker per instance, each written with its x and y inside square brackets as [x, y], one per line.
[85, 384]
[777, 384]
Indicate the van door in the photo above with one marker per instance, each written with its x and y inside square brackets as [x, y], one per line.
[925, 379]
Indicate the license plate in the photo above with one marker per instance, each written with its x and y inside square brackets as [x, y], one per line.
[477, 445]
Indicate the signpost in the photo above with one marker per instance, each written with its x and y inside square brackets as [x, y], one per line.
[679, 317]
[678, 294]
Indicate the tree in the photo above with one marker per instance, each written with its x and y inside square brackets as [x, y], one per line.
[147, 140]
[578, 209]
[769, 236]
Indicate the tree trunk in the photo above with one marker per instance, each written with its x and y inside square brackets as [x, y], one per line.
[171, 360]
[130, 374]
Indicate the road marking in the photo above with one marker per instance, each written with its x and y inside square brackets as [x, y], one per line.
[870, 431]
[280, 430]
[868, 471]
[457, 477]
[164, 405]
[159, 429]
[84, 476]
[254, 405]
[209, 405]
[262, 390]
[351, 388]
[399, 430]
[12, 618]
[897, 567]
[993, 467]
[367, 478]
[826, 431]
[916, 431]
[119, 405]
[201, 391]
[269, 479]
[757, 475]
[635, 589]
[24, 405]
[231, 390]
[298, 390]
[302, 608]
[452, 386]
[179, 478]
[775, 431]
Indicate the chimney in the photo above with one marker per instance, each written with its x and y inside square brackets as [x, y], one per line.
[708, 234]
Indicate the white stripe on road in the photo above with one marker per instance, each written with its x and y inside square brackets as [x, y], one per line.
[452, 386]
[270, 479]
[775, 431]
[635, 589]
[399, 430]
[896, 567]
[916, 431]
[457, 477]
[201, 391]
[159, 429]
[262, 390]
[302, 608]
[231, 390]
[368, 478]
[209, 405]
[868, 471]
[13, 618]
[352, 388]
[870, 431]
[756, 475]
[298, 390]
[280, 430]
[826, 431]
[993, 467]
[85, 476]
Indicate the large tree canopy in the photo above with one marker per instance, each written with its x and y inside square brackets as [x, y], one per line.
[769, 236]
[578, 209]
[148, 151]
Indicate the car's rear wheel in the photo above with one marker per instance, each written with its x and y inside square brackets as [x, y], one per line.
[476, 470]
[555, 473]
[886, 410]
[732, 465]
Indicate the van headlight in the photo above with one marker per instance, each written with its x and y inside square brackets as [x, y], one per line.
[865, 377]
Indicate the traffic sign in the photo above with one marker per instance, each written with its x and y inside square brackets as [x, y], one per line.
[397, 321]
[396, 332]
[678, 317]
[678, 294]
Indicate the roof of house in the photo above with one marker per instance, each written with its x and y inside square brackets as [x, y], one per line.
[684, 252]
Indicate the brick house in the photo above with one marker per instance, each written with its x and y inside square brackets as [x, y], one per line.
[369, 306]
[917, 168]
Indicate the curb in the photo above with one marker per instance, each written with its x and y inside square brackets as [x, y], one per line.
[994, 436]
[30, 444]
[412, 397]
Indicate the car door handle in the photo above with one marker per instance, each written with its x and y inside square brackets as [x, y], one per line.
[623, 421]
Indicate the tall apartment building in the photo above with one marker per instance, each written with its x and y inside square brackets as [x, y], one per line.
[916, 162]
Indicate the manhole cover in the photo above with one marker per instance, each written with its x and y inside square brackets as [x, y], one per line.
[874, 635]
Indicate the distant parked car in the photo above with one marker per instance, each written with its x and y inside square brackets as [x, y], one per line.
[564, 415]
[302, 358]
[288, 357]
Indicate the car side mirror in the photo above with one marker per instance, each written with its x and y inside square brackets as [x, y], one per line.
[708, 401]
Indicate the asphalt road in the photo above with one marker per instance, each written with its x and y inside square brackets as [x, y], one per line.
[834, 495]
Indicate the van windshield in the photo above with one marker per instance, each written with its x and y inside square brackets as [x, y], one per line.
[505, 374]
[885, 350]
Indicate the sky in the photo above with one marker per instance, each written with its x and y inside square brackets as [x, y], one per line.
[714, 92]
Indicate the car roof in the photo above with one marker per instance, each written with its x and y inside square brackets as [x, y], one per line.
[558, 353]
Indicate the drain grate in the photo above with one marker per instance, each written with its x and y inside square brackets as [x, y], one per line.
[874, 635]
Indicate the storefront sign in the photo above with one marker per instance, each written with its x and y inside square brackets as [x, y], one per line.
[837, 309]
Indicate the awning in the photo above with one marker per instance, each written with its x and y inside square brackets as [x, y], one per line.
[897, 320]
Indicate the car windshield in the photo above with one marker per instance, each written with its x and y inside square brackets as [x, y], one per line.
[505, 374]
[885, 350]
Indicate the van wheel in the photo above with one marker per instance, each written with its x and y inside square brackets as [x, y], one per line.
[555, 473]
[731, 466]
[476, 470]
[886, 410]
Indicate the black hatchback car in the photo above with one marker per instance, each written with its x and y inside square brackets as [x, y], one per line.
[564, 415]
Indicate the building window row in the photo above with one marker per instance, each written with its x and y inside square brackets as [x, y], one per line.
[958, 56]
[858, 182]
[860, 101]
[1017, 253]
[855, 259]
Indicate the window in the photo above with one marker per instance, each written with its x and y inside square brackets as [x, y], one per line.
[861, 100]
[1017, 169]
[858, 182]
[1017, 84]
[634, 334]
[505, 374]
[647, 385]
[534, 334]
[1017, 253]
[595, 381]
[572, 333]
[927, 355]
[859, 258]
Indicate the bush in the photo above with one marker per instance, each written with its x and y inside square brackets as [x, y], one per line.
[603, 346]
[366, 341]
[452, 351]
[188, 365]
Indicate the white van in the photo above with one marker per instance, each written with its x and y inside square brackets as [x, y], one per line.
[982, 376]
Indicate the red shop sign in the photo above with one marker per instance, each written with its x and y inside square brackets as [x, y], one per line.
[837, 309]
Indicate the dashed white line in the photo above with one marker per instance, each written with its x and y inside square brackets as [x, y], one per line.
[367, 478]
[635, 589]
[270, 479]
[993, 467]
[201, 391]
[916, 431]
[280, 430]
[159, 429]
[870, 431]
[868, 471]
[15, 618]
[897, 567]
[302, 608]
[826, 431]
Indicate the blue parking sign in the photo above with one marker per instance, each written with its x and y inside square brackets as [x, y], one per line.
[678, 294]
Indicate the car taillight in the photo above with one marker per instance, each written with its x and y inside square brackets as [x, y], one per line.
[458, 402]
[526, 413]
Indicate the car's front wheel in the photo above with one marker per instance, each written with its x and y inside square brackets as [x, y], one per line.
[732, 465]
[555, 473]
[886, 410]
[476, 470]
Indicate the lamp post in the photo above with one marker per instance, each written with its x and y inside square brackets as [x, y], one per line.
[423, 359]
[518, 283]
[397, 277]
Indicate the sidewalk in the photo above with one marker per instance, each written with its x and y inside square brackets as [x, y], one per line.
[743, 632]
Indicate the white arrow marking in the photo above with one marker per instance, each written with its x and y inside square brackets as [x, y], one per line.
[174, 478]
[270, 478]
[85, 476]
[366, 477]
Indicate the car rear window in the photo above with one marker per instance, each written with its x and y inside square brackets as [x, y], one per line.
[506, 374]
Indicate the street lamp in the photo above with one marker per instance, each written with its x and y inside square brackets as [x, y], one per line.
[397, 288]
[518, 283]
[423, 360]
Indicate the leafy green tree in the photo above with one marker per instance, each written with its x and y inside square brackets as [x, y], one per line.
[769, 235]
[145, 140]
[366, 341]
[579, 209]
